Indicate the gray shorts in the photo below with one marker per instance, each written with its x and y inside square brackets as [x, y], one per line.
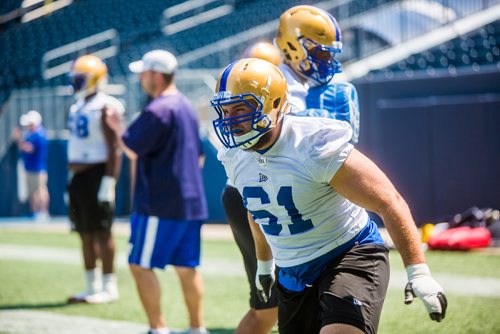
[351, 290]
[36, 181]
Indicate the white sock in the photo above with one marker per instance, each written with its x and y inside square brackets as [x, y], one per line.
[93, 279]
[109, 282]
[199, 330]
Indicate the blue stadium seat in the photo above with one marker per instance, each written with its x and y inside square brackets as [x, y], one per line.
[472, 51]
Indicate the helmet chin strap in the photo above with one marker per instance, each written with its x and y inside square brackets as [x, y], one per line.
[251, 142]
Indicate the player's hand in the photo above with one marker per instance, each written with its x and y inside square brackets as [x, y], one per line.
[422, 285]
[264, 279]
[106, 194]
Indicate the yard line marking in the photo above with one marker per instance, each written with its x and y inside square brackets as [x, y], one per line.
[453, 284]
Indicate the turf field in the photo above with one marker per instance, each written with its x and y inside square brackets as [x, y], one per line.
[38, 270]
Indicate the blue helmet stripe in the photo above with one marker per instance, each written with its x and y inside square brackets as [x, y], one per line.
[225, 75]
[336, 25]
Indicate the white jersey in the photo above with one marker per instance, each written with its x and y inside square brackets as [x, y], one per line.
[297, 92]
[287, 189]
[87, 143]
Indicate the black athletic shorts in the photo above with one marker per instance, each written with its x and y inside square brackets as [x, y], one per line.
[86, 214]
[236, 215]
[351, 290]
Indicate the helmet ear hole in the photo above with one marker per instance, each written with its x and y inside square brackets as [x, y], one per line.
[290, 45]
[276, 103]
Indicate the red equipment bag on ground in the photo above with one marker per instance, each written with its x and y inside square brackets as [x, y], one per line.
[460, 238]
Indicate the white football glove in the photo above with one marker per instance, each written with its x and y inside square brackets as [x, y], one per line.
[106, 192]
[422, 285]
[264, 279]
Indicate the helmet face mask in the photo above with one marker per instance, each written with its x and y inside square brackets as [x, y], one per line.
[230, 131]
[250, 99]
[320, 63]
[87, 74]
[309, 39]
[78, 81]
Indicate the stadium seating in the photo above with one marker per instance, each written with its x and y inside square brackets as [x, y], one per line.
[139, 29]
[9, 5]
[473, 51]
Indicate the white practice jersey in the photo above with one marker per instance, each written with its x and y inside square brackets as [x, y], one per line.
[297, 92]
[288, 193]
[87, 143]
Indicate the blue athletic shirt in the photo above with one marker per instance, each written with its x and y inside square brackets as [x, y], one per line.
[168, 178]
[36, 161]
[337, 100]
[298, 277]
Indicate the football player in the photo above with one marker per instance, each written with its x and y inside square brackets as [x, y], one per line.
[307, 189]
[263, 50]
[94, 164]
[262, 315]
[309, 40]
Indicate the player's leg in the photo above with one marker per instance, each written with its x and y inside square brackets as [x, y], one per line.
[107, 250]
[88, 215]
[101, 217]
[106, 247]
[32, 186]
[193, 290]
[149, 290]
[150, 248]
[89, 250]
[44, 197]
[186, 257]
[40, 192]
[352, 290]
[262, 316]
[78, 192]
[258, 321]
[99, 220]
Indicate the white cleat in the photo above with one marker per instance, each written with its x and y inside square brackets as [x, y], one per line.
[101, 297]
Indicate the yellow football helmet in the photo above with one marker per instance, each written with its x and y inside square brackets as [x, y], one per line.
[259, 84]
[263, 50]
[308, 39]
[87, 74]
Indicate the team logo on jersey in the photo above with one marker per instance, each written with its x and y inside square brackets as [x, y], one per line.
[262, 177]
[262, 161]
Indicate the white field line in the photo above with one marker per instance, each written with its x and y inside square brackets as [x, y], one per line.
[40, 322]
[209, 266]
[453, 284]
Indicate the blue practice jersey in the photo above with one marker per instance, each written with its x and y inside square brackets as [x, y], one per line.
[337, 101]
[36, 161]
